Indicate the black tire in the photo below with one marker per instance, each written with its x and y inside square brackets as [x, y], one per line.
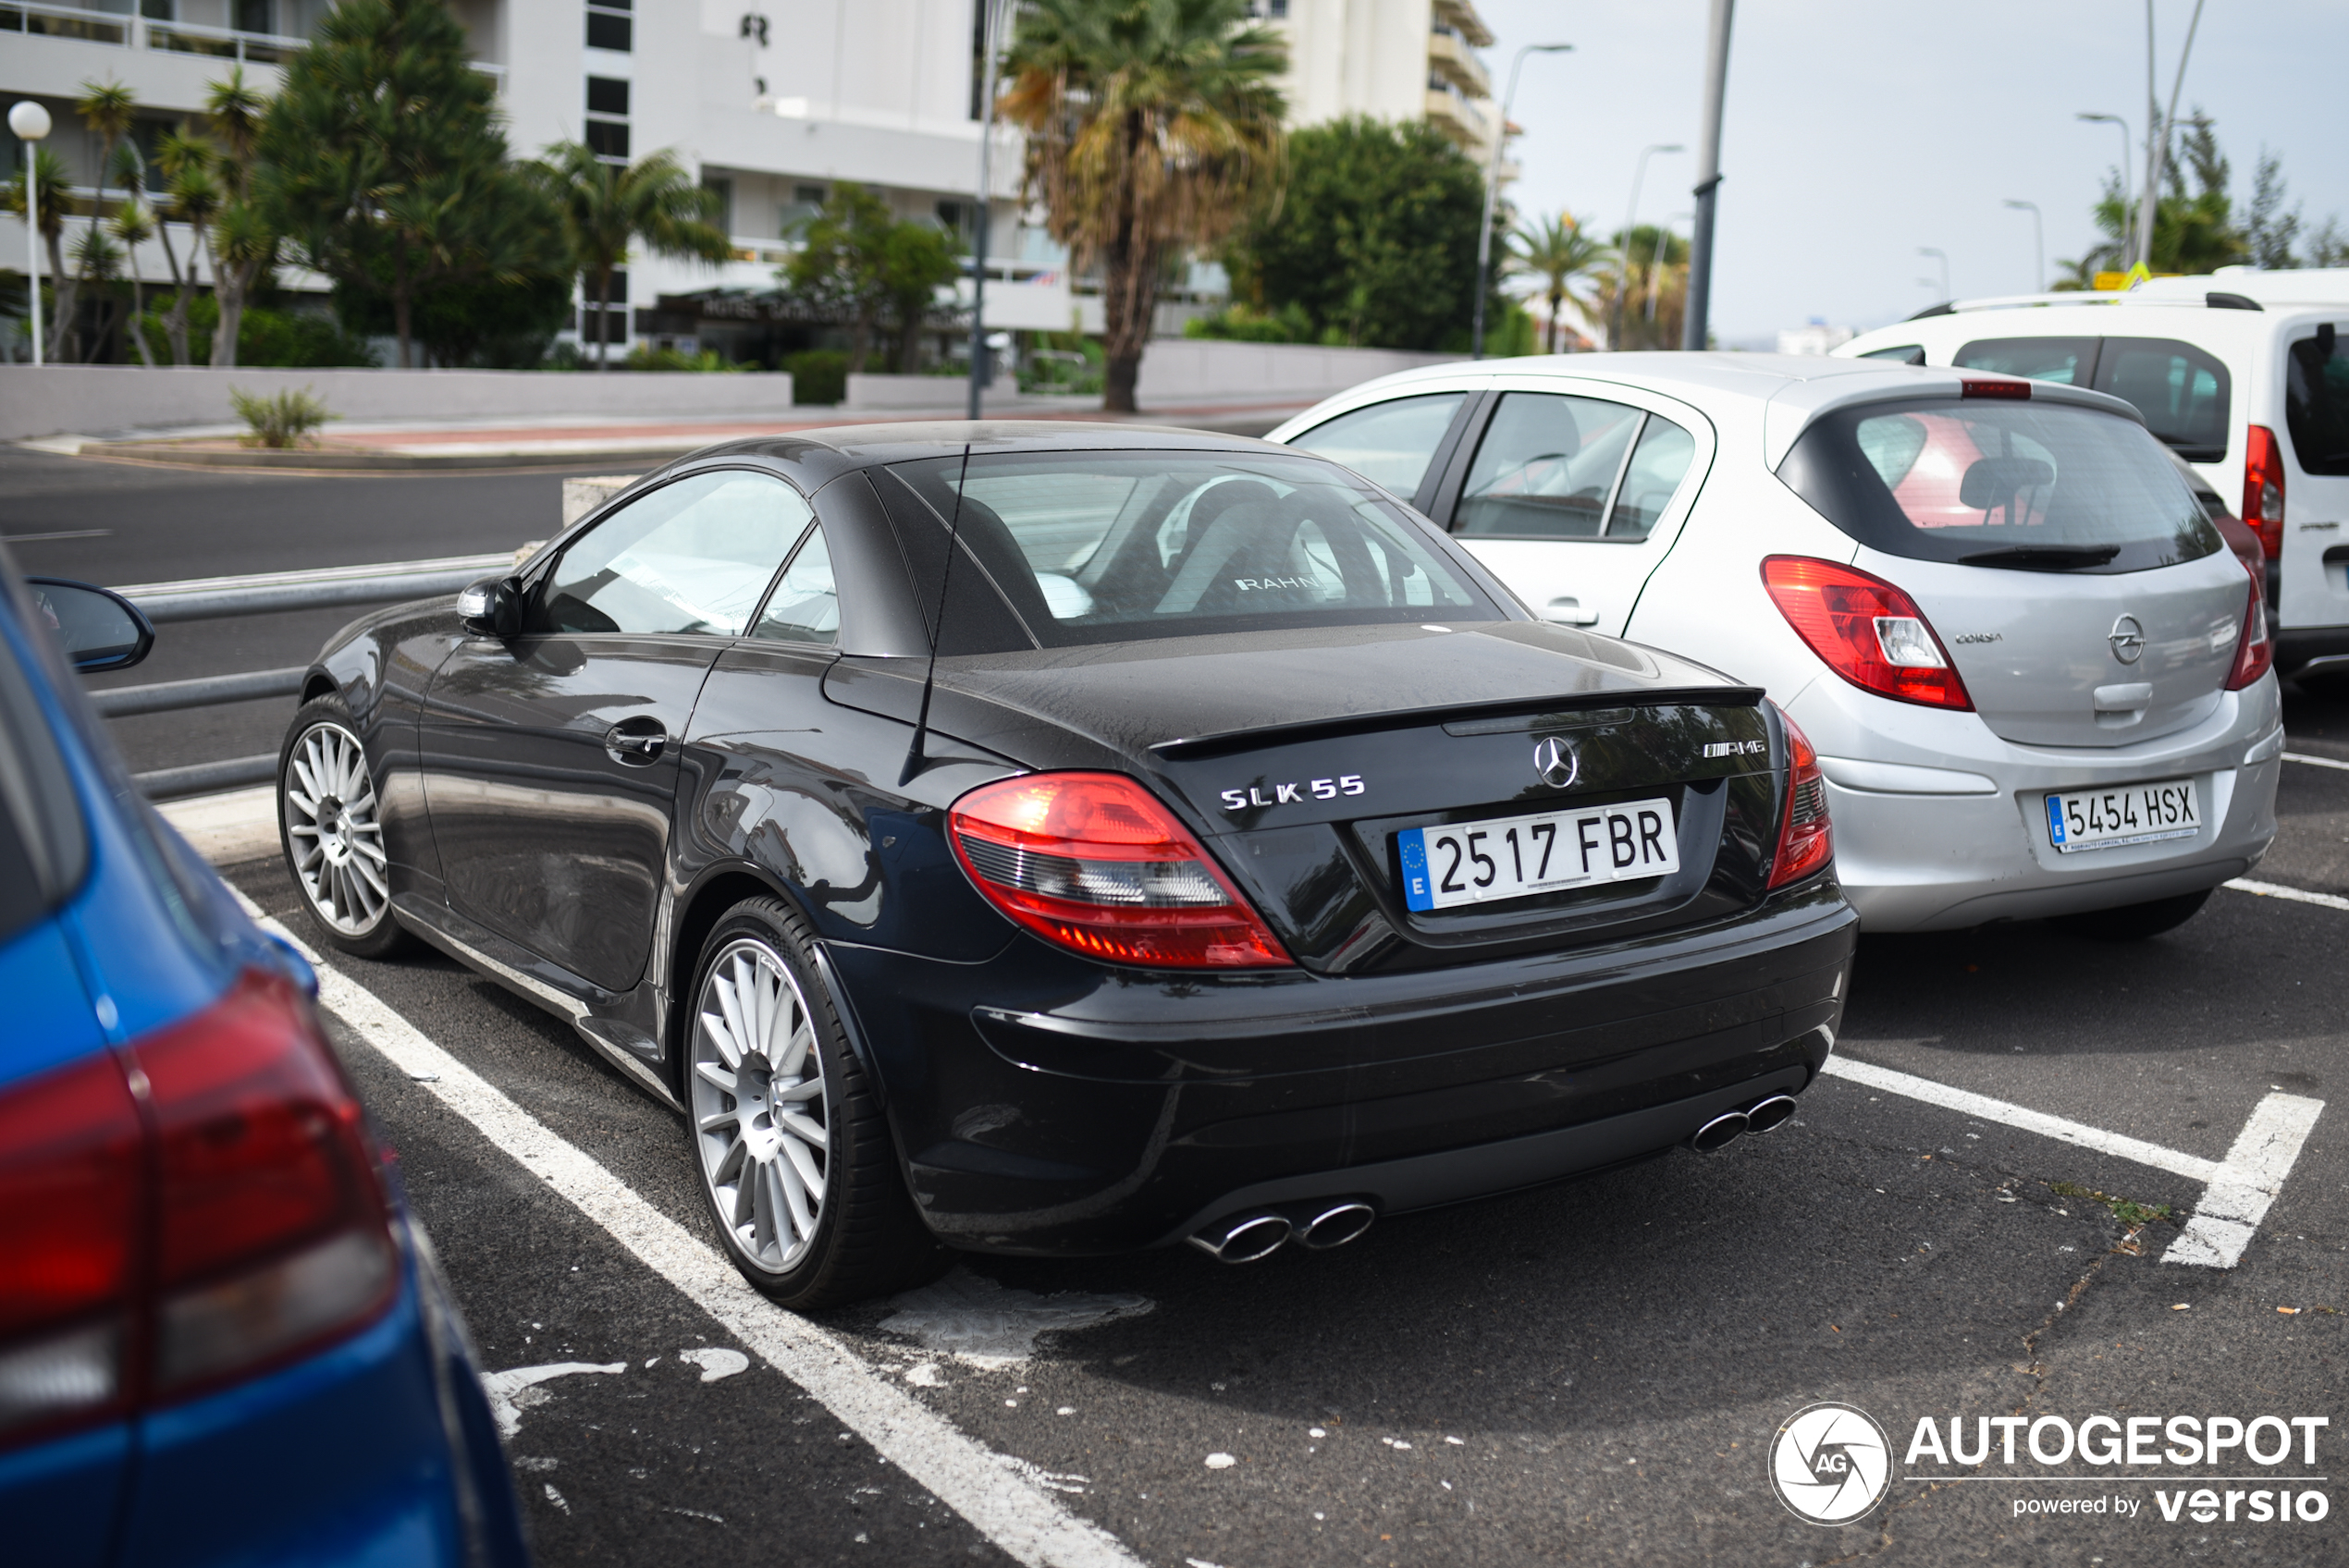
[345, 888]
[867, 1238]
[2134, 922]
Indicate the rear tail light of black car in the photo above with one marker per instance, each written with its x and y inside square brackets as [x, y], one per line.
[1095, 863]
[2263, 488]
[195, 1208]
[1868, 631]
[1806, 838]
[2254, 650]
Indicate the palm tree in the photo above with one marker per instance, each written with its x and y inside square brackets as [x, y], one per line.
[47, 171]
[1651, 272]
[242, 243]
[605, 206]
[109, 110]
[1560, 253]
[1154, 127]
[185, 162]
[134, 224]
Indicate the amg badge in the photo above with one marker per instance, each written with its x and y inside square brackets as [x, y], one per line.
[1292, 795]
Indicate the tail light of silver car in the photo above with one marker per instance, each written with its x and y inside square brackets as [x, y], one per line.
[2263, 488]
[1869, 631]
[2254, 650]
[196, 1206]
[1806, 837]
[1095, 863]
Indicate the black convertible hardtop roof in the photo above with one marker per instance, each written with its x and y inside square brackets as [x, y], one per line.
[821, 454]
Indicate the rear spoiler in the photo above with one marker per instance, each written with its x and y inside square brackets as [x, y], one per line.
[1530, 708]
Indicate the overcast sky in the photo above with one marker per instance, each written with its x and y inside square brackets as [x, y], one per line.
[1858, 131]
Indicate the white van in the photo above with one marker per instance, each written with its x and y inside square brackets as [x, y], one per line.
[2243, 373]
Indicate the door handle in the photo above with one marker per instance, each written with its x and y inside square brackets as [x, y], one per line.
[1571, 612]
[636, 741]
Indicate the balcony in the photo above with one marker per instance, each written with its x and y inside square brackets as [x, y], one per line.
[126, 30]
[1461, 18]
[1449, 57]
[1453, 115]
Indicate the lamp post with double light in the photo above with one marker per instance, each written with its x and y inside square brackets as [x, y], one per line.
[1631, 217]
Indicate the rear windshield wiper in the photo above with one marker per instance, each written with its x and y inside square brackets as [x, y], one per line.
[2044, 558]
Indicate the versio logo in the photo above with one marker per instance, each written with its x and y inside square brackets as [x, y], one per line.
[1831, 1462]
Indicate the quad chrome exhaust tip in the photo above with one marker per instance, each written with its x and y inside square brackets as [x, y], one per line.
[1246, 1237]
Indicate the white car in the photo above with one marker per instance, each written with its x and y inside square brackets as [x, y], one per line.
[2037, 677]
[2243, 373]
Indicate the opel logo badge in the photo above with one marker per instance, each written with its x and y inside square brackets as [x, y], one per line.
[2128, 640]
[1556, 762]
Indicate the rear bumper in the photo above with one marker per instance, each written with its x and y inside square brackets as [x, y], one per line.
[2297, 648]
[1044, 1105]
[1940, 825]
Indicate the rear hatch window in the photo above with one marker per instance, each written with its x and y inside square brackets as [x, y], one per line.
[2035, 486]
[2316, 408]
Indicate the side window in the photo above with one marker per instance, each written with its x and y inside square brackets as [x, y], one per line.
[1389, 444]
[1546, 466]
[1659, 464]
[2181, 390]
[1906, 354]
[2068, 360]
[691, 557]
[805, 607]
[2315, 401]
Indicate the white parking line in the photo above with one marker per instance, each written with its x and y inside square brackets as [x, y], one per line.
[2236, 1191]
[2234, 1205]
[2278, 890]
[2316, 761]
[987, 1488]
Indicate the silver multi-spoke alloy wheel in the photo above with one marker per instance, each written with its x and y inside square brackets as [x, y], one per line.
[332, 832]
[759, 1120]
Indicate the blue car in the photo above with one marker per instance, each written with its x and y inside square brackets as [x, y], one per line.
[222, 1336]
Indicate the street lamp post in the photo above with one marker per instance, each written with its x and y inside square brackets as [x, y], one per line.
[2128, 218]
[1492, 186]
[2156, 146]
[1631, 217]
[2039, 242]
[30, 122]
[1697, 316]
[1941, 256]
[979, 353]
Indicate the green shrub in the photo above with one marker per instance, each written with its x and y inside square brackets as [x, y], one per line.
[279, 419]
[818, 375]
[265, 338]
[1237, 323]
[644, 356]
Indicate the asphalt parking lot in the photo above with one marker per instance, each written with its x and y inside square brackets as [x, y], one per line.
[1588, 1372]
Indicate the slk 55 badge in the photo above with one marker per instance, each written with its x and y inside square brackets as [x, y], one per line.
[1290, 794]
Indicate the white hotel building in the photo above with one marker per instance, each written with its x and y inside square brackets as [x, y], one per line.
[772, 102]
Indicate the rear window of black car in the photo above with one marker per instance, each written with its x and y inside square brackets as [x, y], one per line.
[2014, 485]
[2316, 403]
[1119, 546]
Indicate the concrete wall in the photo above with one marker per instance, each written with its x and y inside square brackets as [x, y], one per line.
[103, 399]
[1191, 370]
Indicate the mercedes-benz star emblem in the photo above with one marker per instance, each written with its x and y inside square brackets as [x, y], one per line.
[2128, 640]
[1556, 762]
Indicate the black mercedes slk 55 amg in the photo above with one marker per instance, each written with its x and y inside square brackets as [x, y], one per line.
[1057, 838]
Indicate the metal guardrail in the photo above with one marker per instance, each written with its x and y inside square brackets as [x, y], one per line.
[218, 598]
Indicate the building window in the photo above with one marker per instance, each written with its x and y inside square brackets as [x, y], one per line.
[805, 202]
[608, 140]
[255, 16]
[724, 191]
[608, 26]
[607, 95]
[591, 320]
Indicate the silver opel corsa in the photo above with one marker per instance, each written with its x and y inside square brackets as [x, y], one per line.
[2037, 677]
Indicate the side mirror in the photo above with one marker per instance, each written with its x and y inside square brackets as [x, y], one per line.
[99, 628]
[492, 607]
